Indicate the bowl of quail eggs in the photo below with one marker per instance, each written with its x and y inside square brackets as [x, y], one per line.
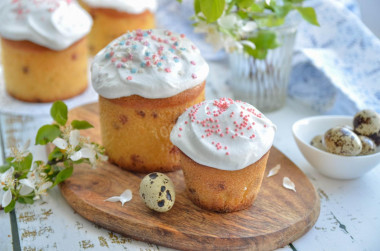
[340, 147]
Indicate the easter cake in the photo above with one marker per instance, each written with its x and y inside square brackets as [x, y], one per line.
[224, 147]
[44, 49]
[145, 80]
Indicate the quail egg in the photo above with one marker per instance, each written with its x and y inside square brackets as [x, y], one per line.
[317, 142]
[157, 192]
[367, 123]
[342, 141]
[368, 144]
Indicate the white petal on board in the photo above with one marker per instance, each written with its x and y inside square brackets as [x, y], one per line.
[113, 199]
[288, 184]
[274, 170]
[124, 197]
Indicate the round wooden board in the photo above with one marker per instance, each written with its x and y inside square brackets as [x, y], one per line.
[277, 217]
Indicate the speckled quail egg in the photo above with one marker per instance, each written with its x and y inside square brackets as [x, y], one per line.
[317, 142]
[342, 141]
[368, 144]
[367, 123]
[157, 191]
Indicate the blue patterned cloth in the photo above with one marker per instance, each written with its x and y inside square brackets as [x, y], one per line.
[336, 67]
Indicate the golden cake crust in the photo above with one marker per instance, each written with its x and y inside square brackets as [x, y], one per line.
[135, 130]
[34, 73]
[220, 190]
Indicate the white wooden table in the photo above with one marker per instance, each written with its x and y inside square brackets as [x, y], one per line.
[349, 218]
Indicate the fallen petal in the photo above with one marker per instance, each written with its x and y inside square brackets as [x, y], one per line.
[274, 170]
[288, 184]
[113, 199]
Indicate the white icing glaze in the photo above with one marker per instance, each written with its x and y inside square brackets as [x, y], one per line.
[129, 6]
[55, 24]
[151, 63]
[223, 134]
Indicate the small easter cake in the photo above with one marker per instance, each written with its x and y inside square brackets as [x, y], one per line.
[112, 18]
[44, 49]
[145, 80]
[224, 148]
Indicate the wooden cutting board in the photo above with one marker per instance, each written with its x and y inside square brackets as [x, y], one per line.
[278, 216]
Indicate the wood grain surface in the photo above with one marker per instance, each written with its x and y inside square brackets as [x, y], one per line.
[277, 217]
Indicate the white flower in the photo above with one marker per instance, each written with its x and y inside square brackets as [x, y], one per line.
[250, 26]
[6, 178]
[19, 155]
[228, 22]
[124, 197]
[86, 151]
[36, 182]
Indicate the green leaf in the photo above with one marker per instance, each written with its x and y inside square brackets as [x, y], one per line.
[81, 124]
[56, 154]
[26, 163]
[197, 6]
[63, 175]
[282, 10]
[256, 8]
[4, 168]
[46, 134]
[212, 9]
[245, 4]
[256, 53]
[9, 159]
[265, 39]
[26, 199]
[308, 13]
[10, 207]
[59, 112]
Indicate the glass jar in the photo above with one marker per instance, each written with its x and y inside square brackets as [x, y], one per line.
[264, 83]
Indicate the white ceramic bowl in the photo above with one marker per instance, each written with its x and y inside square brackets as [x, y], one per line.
[331, 165]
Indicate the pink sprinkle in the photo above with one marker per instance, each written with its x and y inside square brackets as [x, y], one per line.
[194, 76]
[225, 148]
[113, 60]
[203, 136]
[192, 62]
[124, 60]
[193, 47]
[112, 53]
[182, 35]
[154, 37]
[227, 153]
[179, 135]
[213, 142]
[168, 70]
[118, 65]
[129, 78]
[221, 135]
[186, 122]
[180, 128]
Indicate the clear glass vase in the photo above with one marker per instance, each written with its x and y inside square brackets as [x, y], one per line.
[264, 83]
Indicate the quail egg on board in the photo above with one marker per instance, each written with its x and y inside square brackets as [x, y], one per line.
[367, 123]
[342, 141]
[157, 192]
